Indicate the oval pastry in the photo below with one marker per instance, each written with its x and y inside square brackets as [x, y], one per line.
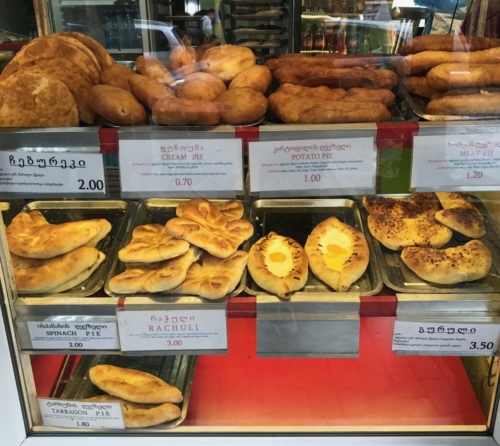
[338, 253]
[278, 264]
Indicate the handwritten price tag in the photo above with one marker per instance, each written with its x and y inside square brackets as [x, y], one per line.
[456, 162]
[165, 167]
[172, 330]
[466, 339]
[47, 335]
[52, 173]
[85, 415]
[336, 166]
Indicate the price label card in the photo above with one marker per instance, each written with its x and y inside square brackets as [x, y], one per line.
[52, 173]
[161, 166]
[172, 330]
[434, 337]
[456, 162]
[47, 335]
[86, 415]
[342, 164]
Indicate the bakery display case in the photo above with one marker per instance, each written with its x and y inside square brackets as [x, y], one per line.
[243, 236]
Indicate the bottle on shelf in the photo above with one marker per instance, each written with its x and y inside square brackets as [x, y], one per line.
[307, 38]
[319, 37]
[340, 43]
[329, 40]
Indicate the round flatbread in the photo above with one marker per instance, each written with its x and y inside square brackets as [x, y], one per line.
[103, 57]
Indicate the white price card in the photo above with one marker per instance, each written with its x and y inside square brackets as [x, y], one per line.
[47, 335]
[52, 173]
[164, 330]
[86, 415]
[323, 164]
[464, 339]
[166, 166]
[456, 162]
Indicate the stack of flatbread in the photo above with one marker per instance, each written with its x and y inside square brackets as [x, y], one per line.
[195, 253]
[145, 399]
[50, 258]
[422, 224]
[47, 83]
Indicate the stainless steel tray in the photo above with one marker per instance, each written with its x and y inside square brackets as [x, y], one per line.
[397, 276]
[296, 219]
[153, 211]
[10, 209]
[258, 32]
[418, 105]
[115, 211]
[177, 371]
[262, 18]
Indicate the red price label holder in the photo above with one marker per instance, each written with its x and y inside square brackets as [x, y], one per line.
[182, 325]
[455, 157]
[172, 164]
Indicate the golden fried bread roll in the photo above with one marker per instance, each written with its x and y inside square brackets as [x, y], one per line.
[449, 42]
[453, 75]
[226, 61]
[303, 110]
[117, 75]
[176, 111]
[148, 90]
[322, 92]
[471, 261]
[483, 103]
[242, 106]
[36, 100]
[257, 78]
[182, 60]
[327, 61]
[418, 85]
[116, 105]
[204, 86]
[357, 94]
[314, 76]
[415, 63]
[150, 66]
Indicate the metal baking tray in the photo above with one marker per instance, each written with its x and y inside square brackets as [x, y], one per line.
[263, 18]
[400, 112]
[153, 211]
[296, 218]
[115, 211]
[418, 105]
[177, 371]
[397, 276]
[10, 209]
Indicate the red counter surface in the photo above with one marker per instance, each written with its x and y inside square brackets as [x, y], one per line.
[377, 389]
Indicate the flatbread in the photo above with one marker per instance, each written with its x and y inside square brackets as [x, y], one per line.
[213, 278]
[40, 276]
[103, 57]
[232, 209]
[151, 243]
[418, 203]
[469, 262]
[36, 100]
[278, 264]
[29, 235]
[133, 385]
[80, 278]
[105, 228]
[154, 277]
[398, 232]
[338, 253]
[460, 214]
[203, 225]
[141, 415]
[48, 46]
